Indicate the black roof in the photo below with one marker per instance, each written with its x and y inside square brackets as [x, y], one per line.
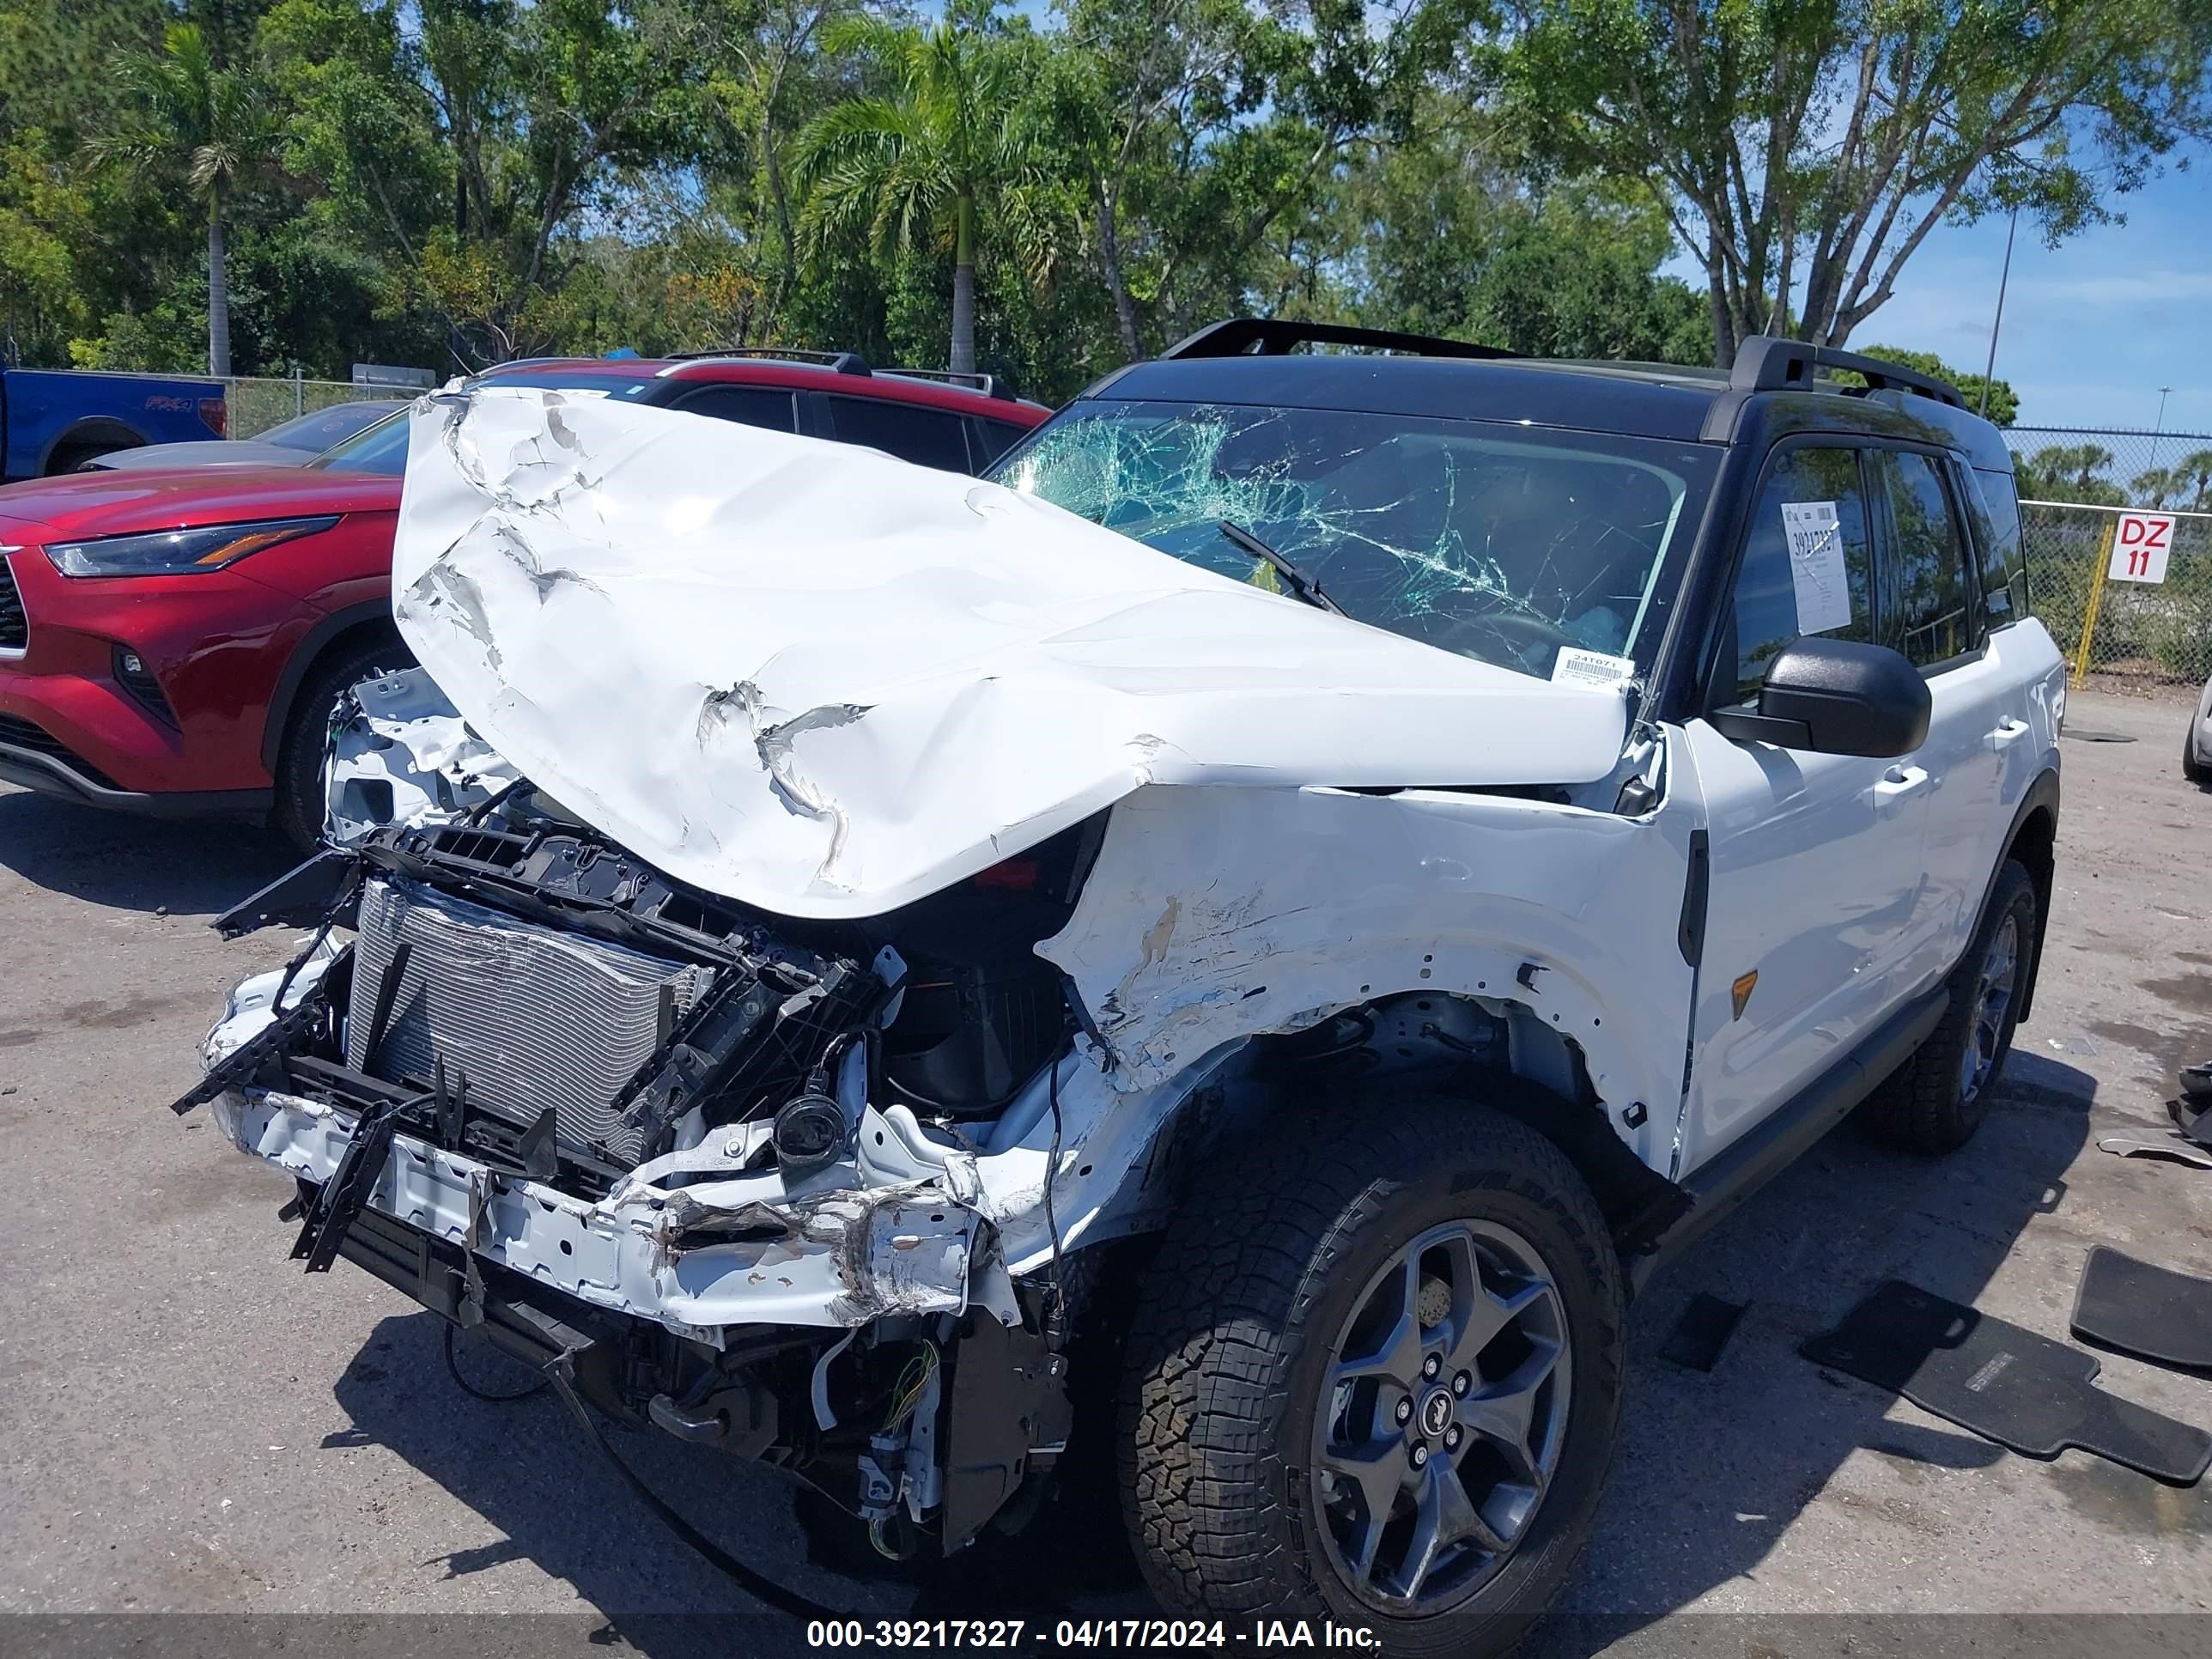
[1772, 393]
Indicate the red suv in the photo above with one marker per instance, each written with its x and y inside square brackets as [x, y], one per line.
[173, 642]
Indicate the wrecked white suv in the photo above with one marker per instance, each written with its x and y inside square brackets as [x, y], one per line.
[1236, 942]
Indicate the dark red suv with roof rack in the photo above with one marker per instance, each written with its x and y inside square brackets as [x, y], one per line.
[172, 642]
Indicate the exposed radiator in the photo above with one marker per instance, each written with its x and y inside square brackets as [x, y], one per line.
[534, 1017]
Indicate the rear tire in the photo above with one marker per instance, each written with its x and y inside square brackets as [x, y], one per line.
[298, 812]
[1938, 1098]
[1248, 1461]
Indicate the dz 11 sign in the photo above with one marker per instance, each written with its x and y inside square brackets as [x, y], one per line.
[2140, 545]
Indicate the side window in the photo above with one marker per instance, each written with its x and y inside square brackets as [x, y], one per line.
[993, 439]
[927, 437]
[1806, 558]
[1927, 610]
[2004, 555]
[748, 406]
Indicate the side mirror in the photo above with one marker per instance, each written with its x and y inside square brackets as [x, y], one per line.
[1835, 697]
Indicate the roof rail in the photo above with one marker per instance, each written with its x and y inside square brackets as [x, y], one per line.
[989, 385]
[1272, 336]
[1764, 363]
[843, 363]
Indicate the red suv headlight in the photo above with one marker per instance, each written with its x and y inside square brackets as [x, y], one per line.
[179, 552]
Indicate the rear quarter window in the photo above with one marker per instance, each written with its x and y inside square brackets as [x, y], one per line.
[1994, 504]
[927, 437]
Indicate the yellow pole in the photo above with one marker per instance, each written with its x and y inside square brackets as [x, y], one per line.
[2096, 596]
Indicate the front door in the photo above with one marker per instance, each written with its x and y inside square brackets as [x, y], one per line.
[1816, 886]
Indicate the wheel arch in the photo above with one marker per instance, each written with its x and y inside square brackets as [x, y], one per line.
[1499, 1052]
[2033, 841]
[340, 630]
[99, 432]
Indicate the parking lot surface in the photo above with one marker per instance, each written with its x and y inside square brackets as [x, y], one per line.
[191, 1426]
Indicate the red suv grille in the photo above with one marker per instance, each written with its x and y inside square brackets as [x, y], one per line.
[15, 631]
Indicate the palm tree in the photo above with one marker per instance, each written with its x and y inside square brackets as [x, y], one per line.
[2153, 487]
[947, 151]
[2193, 473]
[183, 109]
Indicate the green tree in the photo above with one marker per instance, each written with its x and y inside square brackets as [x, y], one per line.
[1831, 137]
[2067, 472]
[2003, 401]
[214, 125]
[2151, 487]
[948, 155]
[2193, 473]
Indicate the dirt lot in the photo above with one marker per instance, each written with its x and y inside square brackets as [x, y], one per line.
[188, 1424]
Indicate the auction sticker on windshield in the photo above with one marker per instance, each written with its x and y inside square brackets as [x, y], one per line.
[1816, 566]
[1576, 666]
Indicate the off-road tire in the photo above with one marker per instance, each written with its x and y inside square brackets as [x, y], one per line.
[1922, 1107]
[298, 813]
[1236, 1318]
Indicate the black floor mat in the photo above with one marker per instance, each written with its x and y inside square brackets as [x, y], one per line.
[2008, 1385]
[2138, 1308]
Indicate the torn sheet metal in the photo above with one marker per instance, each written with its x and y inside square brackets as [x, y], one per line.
[840, 1259]
[811, 677]
[405, 755]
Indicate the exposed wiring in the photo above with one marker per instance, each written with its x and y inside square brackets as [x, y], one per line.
[912, 1383]
[454, 1364]
[755, 1583]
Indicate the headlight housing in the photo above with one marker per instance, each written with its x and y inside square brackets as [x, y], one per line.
[179, 552]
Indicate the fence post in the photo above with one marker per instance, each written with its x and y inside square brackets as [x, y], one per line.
[299, 392]
[2096, 596]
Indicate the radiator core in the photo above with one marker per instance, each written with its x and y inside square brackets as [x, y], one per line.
[534, 1017]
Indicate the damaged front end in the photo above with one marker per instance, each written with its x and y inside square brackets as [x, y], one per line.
[725, 1164]
[805, 905]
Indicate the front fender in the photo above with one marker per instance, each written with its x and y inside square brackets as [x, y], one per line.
[1217, 915]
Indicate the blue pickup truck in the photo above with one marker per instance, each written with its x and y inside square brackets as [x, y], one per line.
[55, 420]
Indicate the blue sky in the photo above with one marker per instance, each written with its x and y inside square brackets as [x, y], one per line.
[2092, 328]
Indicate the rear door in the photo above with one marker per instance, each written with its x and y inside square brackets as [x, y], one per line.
[1931, 610]
[1815, 880]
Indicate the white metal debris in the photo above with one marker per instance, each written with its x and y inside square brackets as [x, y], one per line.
[406, 756]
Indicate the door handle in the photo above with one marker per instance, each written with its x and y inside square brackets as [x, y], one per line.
[1897, 783]
[2008, 730]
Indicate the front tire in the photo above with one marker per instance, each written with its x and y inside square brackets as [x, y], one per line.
[2191, 768]
[300, 809]
[1375, 1376]
[1938, 1098]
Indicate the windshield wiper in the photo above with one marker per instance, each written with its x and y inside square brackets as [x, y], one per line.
[1302, 586]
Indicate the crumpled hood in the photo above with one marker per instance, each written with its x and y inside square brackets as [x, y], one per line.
[827, 683]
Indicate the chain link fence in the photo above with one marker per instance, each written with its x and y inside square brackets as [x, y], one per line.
[257, 404]
[2072, 482]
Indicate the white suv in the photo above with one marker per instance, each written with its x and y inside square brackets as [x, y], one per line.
[1234, 944]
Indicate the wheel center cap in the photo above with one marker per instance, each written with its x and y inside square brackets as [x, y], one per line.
[1435, 1412]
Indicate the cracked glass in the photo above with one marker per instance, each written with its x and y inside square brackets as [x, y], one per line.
[1503, 543]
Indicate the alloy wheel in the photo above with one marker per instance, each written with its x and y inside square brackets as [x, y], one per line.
[1442, 1415]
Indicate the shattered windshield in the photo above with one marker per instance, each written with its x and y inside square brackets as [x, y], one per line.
[1506, 543]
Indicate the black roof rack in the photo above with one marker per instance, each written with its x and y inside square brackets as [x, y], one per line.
[1272, 336]
[844, 362]
[1764, 363]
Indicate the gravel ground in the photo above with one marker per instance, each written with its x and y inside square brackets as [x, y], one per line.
[192, 1426]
